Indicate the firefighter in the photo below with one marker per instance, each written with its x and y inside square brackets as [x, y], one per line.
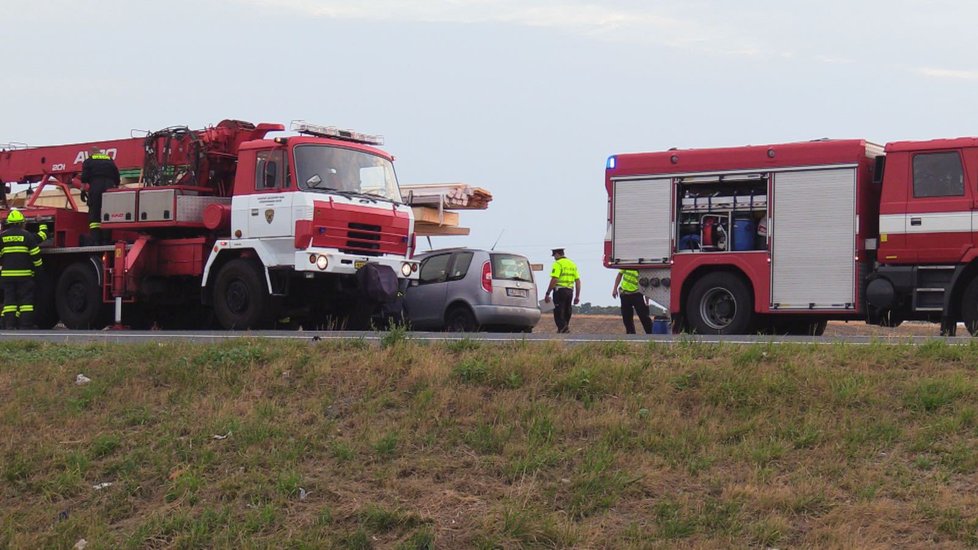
[565, 284]
[626, 286]
[99, 172]
[20, 257]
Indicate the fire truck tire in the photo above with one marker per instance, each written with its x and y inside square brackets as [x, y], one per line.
[45, 311]
[241, 299]
[969, 307]
[460, 319]
[720, 303]
[79, 298]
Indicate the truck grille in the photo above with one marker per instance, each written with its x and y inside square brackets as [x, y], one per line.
[363, 239]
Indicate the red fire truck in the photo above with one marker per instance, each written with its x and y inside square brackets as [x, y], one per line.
[785, 237]
[221, 224]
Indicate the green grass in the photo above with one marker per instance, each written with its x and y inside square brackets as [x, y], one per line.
[408, 445]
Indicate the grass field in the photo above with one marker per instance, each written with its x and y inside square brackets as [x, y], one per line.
[466, 445]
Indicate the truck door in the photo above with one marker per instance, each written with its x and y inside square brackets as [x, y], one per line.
[270, 207]
[938, 222]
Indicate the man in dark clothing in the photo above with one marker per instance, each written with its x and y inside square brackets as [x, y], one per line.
[100, 173]
[20, 256]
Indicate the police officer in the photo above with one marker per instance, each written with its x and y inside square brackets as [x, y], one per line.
[626, 286]
[565, 284]
[100, 173]
[20, 257]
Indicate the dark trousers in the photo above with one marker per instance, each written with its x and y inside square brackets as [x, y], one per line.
[18, 302]
[95, 191]
[634, 301]
[563, 307]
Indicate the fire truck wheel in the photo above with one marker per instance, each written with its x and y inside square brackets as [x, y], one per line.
[969, 307]
[460, 319]
[720, 303]
[79, 298]
[241, 300]
[45, 311]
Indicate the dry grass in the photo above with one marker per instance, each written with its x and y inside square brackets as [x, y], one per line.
[618, 445]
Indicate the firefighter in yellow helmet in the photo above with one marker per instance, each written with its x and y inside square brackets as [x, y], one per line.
[20, 257]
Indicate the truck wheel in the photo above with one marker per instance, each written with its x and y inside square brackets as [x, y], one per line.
[969, 307]
[241, 299]
[45, 311]
[79, 298]
[720, 303]
[460, 319]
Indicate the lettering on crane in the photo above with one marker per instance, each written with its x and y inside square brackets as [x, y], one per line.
[82, 156]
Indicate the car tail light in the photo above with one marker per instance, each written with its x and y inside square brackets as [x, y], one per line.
[487, 277]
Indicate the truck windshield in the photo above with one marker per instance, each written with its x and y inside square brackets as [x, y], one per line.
[326, 169]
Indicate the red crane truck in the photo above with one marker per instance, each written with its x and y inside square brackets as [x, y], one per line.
[222, 224]
[782, 238]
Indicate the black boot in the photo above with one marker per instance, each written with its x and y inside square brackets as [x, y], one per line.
[26, 321]
[10, 321]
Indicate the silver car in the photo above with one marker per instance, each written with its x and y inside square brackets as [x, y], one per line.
[467, 289]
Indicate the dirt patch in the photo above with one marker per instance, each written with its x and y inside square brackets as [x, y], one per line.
[611, 324]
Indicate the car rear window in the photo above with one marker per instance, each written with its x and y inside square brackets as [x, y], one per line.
[511, 267]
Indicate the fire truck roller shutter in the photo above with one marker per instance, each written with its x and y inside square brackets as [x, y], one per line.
[814, 239]
[643, 224]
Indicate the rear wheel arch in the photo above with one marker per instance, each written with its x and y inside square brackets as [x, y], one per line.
[457, 307]
[221, 260]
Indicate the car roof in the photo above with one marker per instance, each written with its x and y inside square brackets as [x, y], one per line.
[464, 249]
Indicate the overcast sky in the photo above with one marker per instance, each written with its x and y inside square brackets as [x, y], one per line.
[524, 98]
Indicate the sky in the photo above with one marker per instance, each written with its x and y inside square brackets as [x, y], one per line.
[525, 98]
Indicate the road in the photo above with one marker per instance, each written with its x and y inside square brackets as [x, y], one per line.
[142, 337]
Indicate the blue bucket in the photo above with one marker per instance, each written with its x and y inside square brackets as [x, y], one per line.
[743, 234]
[660, 326]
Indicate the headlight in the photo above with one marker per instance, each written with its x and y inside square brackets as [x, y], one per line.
[406, 269]
[322, 262]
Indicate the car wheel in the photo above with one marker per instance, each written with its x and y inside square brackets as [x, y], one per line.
[460, 319]
[720, 303]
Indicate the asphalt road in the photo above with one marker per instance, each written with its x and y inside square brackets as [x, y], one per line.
[137, 337]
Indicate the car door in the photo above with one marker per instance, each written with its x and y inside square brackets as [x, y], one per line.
[424, 300]
[460, 287]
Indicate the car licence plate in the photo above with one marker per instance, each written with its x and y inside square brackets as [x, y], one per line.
[359, 263]
[517, 292]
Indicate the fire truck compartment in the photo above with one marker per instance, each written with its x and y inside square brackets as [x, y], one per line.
[813, 244]
[643, 223]
[150, 206]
